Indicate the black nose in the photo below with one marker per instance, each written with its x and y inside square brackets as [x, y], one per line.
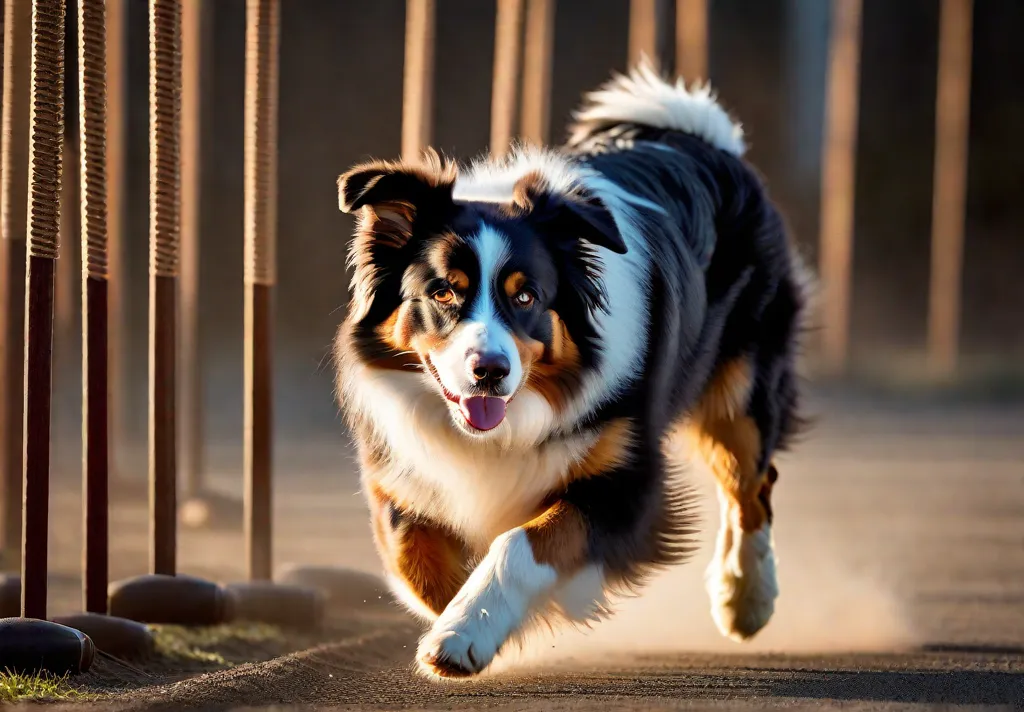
[488, 369]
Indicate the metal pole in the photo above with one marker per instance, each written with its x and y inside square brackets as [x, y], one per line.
[261, 97]
[952, 122]
[67, 281]
[692, 39]
[192, 29]
[116, 39]
[47, 127]
[418, 89]
[535, 119]
[92, 108]
[651, 33]
[837, 181]
[164, 230]
[13, 206]
[508, 36]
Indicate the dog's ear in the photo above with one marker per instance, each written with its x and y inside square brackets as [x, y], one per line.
[568, 216]
[397, 192]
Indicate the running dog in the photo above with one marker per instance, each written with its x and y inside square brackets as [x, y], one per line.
[526, 334]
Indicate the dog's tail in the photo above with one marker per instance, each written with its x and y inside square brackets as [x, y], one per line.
[643, 98]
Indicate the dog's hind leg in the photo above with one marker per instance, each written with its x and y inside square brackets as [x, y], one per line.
[741, 578]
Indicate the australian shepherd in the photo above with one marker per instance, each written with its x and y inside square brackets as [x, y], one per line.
[524, 337]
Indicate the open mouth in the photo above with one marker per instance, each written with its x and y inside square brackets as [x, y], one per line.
[480, 413]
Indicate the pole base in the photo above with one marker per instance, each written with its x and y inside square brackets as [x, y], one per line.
[119, 637]
[285, 605]
[29, 646]
[344, 590]
[177, 600]
[10, 596]
[210, 510]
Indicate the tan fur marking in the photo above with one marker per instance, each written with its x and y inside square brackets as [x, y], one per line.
[729, 442]
[393, 330]
[430, 560]
[513, 283]
[610, 451]
[458, 279]
[529, 350]
[729, 391]
[556, 371]
[559, 537]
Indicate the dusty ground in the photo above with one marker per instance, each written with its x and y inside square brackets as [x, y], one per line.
[901, 550]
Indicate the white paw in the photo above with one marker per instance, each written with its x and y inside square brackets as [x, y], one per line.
[742, 583]
[492, 605]
[465, 644]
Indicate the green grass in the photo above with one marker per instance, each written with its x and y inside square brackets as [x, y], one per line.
[210, 645]
[19, 688]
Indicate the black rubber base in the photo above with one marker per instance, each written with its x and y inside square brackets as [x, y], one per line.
[285, 605]
[29, 646]
[180, 600]
[119, 637]
[10, 595]
[344, 590]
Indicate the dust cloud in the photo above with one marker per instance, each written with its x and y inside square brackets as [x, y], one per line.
[831, 598]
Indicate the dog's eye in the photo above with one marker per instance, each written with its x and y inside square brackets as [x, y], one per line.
[444, 296]
[523, 299]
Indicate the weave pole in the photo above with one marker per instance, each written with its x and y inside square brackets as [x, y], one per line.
[116, 70]
[651, 33]
[164, 231]
[837, 182]
[191, 392]
[535, 120]
[692, 40]
[13, 207]
[508, 43]
[114, 636]
[261, 106]
[46, 128]
[162, 596]
[260, 598]
[418, 79]
[92, 106]
[952, 124]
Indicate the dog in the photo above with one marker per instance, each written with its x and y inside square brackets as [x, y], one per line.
[524, 337]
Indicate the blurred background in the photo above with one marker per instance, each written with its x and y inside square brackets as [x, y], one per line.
[341, 102]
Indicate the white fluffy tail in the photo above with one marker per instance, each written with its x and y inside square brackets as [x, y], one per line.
[645, 98]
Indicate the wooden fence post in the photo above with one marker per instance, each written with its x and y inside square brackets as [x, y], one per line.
[418, 89]
[952, 122]
[837, 181]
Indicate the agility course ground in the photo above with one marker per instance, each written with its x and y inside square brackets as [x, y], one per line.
[901, 543]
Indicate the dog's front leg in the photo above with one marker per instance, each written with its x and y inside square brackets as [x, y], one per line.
[520, 572]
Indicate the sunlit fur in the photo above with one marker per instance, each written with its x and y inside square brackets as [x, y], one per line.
[639, 281]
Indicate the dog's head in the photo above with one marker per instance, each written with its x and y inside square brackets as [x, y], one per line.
[486, 298]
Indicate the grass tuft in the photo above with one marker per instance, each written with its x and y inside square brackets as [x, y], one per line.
[208, 645]
[15, 687]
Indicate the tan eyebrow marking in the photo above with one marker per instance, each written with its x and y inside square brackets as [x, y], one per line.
[458, 279]
[514, 282]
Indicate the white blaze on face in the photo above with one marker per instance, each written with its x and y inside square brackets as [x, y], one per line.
[482, 332]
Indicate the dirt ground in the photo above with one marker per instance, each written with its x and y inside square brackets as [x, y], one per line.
[900, 534]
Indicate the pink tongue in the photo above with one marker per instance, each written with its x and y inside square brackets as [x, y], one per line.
[483, 412]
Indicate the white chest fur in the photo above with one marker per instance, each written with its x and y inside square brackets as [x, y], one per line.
[481, 488]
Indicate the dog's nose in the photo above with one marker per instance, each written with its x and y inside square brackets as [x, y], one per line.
[488, 369]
